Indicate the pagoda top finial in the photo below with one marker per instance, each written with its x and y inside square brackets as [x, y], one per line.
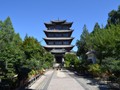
[58, 21]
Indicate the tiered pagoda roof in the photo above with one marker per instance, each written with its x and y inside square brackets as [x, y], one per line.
[59, 32]
[60, 22]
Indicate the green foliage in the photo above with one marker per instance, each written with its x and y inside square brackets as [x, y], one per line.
[112, 65]
[31, 74]
[48, 60]
[33, 52]
[71, 61]
[36, 57]
[77, 64]
[114, 17]
[71, 58]
[94, 69]
[10, 53]
[96, 28]
[32, 47]
[106, 42]
[19, 57]
[81, 44]
[67, 64]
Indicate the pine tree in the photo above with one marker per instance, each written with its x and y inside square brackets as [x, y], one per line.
[10, 52]
[96, 27]
[81, 44]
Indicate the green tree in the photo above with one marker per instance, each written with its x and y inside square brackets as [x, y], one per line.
[96, 27]
[71, 60]
[48, 60]
[114, 17]
[106, 42]
[32, 50]
[81, 44]
[10, 52]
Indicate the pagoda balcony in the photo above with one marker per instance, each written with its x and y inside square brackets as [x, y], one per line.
[60, 38]
[56, 51]
[58, 31]
[66, 47]
[59, 46]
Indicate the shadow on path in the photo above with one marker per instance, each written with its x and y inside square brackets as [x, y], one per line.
[85, 79]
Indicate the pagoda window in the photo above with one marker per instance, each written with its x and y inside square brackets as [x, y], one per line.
[65, 27]
[50, 43]
[50, 35]
[51, 28]
[58, 43]
[65, 42]
[65, 35]
[58, 27]
[58, 35]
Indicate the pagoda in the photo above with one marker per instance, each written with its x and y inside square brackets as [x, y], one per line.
[58, 38]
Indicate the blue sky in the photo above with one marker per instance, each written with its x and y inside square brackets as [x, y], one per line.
[28, 16]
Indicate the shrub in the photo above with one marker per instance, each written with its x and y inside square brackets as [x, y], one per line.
[67, 64]
[94, 69]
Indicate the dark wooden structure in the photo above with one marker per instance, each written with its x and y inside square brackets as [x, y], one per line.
[58, 38]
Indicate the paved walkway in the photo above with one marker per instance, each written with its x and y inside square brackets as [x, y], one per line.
[41, 82]
[62, 80]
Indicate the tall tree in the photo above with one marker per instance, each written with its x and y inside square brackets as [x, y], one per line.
[81, 44]
[96, 27]
[10, 52]
[32, 49]
[114, 17]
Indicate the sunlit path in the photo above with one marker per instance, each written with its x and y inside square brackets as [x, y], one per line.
[41, 83]
[62, 81]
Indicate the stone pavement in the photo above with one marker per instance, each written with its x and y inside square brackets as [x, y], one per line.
[62, 81]
[84, 82]
[40, 83]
